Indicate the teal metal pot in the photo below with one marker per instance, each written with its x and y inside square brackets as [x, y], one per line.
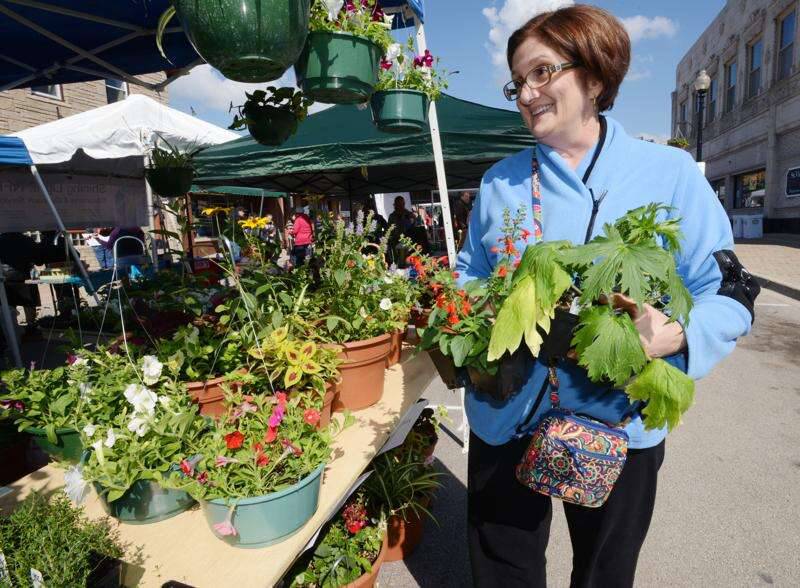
[247, 40]
[67, 447]
[170, 182]
[400, 111]
[268, 519]
[338, 68]
[145, 502]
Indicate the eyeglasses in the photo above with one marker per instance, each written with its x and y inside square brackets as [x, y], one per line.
[536, 78]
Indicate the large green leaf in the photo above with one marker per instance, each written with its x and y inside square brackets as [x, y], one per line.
[667, 390]
[513, 320]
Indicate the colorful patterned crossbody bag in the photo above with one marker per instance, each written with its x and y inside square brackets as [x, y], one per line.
[572, 457]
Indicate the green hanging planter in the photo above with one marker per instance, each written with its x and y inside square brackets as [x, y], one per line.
[400, 111]
[170, 182]
[67, 447]
[247, 40]
[273, 126]
[338, 68]
[145, 502]
[265, 520]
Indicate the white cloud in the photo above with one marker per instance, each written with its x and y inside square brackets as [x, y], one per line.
[641, 27]
[509, 18]
[653, 138]
[639, 67]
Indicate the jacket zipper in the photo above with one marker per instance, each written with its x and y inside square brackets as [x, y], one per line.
[595, 208]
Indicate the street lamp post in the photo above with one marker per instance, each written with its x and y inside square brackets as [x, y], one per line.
[701, 85]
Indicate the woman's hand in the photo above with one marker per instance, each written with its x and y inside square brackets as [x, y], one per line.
[658, 335]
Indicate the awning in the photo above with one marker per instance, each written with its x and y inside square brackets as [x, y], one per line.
[13, 152]
[236, 191]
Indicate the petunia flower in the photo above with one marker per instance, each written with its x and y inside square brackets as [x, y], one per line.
[385, 304]
[271, 435]
[151, 369]
[294, 448]
[85, 390]
[111, 438]
[311, 416]
[89, 430]
[74, 485]
[187, 467]
[333, 7]
[386, 65]
[393, 52]
[139, 425]
[234, 440]
[221, 461]
[203, 478]
[226, 528]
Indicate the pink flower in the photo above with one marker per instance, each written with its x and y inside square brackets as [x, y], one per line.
[386, 64]
[277, 416]
[221, 461]
[311, 417]
[271, 435]
[203, 478]
[242, 409]
[425, 60]
[71, 358]
[281, 396]
[187, 468]
[225, 528]
[289, 445]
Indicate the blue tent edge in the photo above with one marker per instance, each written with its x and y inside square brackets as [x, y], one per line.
[14, 152]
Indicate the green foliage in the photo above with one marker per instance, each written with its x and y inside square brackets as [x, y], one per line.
[46, 399]
[260, 104]
[668, 393]
[169, 156]
[608, 345]
[363, 20]
[405, 75]
[55, 538]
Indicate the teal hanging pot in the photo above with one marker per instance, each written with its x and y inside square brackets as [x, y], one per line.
[170, 182]
[272, 126]
[268, 519]
[145, 502]
[67, 447]
[338, 68]
[246, 40]
[400, 111]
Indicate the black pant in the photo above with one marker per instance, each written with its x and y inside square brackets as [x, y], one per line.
[509, 524]
[299, 253]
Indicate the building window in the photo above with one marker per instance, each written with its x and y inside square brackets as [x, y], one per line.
[682, 112]
[754, 56]
[730, 86]
[711, 109]
[786, 46]
[116, 90]
[719, 189]
[748, 189]
[50, 91]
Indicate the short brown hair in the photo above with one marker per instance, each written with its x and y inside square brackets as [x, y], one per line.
[585, 34]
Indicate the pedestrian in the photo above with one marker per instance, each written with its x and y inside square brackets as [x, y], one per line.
[461, 211]
[302, 233]
[566, 69]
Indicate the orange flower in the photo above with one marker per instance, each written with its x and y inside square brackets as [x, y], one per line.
[466, 307]
[494, 249]
[456, 275]
[525, 234]
[453, 319]
[451, 307]
[502, 271]
[441, 301]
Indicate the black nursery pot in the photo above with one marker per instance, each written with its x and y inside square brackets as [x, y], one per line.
[558, 341]
[106, 571]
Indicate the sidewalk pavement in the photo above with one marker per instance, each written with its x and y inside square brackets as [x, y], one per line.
[774, 260]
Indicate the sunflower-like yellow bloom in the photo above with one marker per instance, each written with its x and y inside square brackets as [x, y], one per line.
[211, 211]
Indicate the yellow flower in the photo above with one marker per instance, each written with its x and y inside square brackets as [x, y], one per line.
[249, 223]
[211, 211]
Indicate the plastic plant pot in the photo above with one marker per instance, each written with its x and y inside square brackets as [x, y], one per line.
[170, 182]
[400, 111]
[145, 502]
[362, 372]
[273, 126]
[67, 447]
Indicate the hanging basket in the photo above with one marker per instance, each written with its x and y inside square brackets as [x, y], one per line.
[400, 111]
[338, 68]
[247, 40]
[272, 126]
[145, 502]
[67, 447]
[170, 182]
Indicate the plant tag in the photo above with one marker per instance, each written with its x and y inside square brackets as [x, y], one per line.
[36, 579]
[4, 576]
[575, 307]
[404, 426]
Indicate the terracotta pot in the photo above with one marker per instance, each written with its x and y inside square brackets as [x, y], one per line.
[368, 580]
[327, 405]
[403, 536]
[362, 372]
[396, 349]
[210, 395]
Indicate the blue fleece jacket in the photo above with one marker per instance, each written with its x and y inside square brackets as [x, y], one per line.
[634, 173]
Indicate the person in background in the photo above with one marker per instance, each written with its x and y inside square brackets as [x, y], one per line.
[380, 224]
[302, 233]
[129, 252]
[18, 254]
[461, 211]
[100, 252]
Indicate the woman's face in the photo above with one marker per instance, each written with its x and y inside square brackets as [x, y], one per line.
[559, 108]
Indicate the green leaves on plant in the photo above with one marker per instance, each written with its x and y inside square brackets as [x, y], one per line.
[608, 345]
[667, 390]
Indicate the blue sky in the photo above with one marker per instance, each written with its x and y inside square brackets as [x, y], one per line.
[469, 36]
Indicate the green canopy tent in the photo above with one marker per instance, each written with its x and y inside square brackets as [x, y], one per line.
[339, 151]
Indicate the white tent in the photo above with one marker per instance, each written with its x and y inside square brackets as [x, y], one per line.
[93, 164]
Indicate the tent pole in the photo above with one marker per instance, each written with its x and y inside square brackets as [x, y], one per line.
[189, 242]
[8, 324]
[63, 230]
[151, 224]
[438, 158]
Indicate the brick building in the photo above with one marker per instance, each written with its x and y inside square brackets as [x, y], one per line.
[751, 126]
[28, 107]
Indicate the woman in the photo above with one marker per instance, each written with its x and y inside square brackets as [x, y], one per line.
[566, 68]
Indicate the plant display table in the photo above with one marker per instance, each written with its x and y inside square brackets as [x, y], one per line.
[185, 550]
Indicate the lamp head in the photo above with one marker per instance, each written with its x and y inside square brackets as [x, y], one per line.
[702, 82]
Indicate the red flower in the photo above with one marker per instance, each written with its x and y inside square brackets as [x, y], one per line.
[441, 301]
[451, 307]
[444, 260]
[271, 435]
[234, 440]
[456, 275]
[261, 458]
[502, 271]
[311, 417]
[187, 468]
[525, 234]
[453, 319]
[424, 60]
[281, 396]
[436, 287]
[355, 517]
[203, 478]
[355, 526]
[386, 64]
[351, 264]
[466, 307]
[494, 249]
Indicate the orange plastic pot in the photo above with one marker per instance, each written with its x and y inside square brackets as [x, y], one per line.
[396, 349]
[362, 372]
[368, 580]
[327, 405]
[403, 536]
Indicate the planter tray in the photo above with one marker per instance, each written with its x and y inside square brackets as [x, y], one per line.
[209, 561]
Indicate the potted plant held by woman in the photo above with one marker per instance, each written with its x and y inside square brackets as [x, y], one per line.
[247, 40]
[339, 63]
[408, 84]
[271, 116]
[257, 473]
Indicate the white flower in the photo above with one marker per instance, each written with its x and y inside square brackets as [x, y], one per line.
[98, 448]
[362, 312]
[151, 369]
[333, 7]
[362, 106]
[111, 438]
[142, 399]
[80, 361]
[387, 279]
[74, 484]
[85, 389]
[164, 401]
[138, 425]
[386, 304]
[89, 430]
[394, 50]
